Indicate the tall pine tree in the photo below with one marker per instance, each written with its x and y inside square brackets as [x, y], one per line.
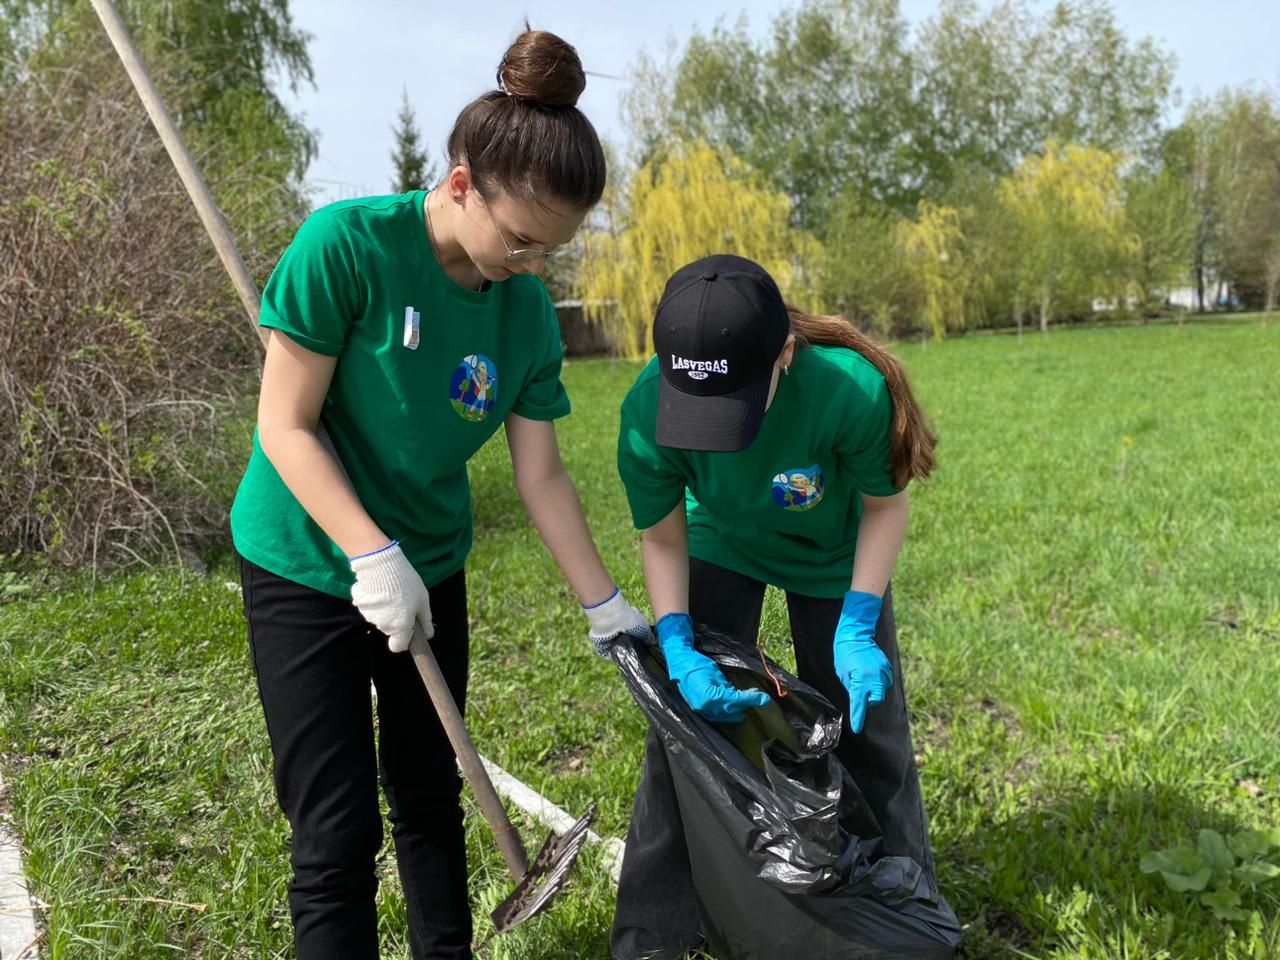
[413, 170]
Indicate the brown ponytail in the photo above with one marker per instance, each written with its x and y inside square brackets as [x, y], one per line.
[912, 443]
[528, 137]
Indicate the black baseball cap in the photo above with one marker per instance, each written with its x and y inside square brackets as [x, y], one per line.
[720, 325]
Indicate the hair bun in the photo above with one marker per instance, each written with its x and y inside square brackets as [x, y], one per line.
[542, 68]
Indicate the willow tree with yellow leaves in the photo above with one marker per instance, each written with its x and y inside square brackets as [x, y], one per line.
[1072, 241]
[690, 201]
[933, 245]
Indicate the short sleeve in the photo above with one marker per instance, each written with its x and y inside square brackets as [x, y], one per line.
[312, 292]
[863, 444]
[542, 396]
[655, 485]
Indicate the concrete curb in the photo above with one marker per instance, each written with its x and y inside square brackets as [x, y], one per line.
[549, 815]
[18, 936]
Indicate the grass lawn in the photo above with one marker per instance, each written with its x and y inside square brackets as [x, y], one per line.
[1089, 614]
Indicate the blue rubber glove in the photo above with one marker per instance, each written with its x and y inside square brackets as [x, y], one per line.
[700, 681]
[860, 664]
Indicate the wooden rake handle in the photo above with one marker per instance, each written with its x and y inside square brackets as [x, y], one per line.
[504, 834]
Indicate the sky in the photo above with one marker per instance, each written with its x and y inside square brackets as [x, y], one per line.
[445, 54]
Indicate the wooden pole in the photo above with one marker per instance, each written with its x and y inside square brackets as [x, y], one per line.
[210, 216]
[504, 834]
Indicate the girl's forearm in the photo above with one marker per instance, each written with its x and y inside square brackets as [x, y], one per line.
[880, 537]
[665, 547]
[556, 512]
[321, 486]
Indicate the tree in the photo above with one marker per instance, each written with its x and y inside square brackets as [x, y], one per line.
[821, 107]
[865, 274]
[413, 169]
[971, 82]
[646, 104]
[107, 415]
[990, 248]
[206, 47]
[106, 420]
[1271, 274]
[1191, 150]
[1249, 178]
[934, 247]
[1089, 84]
[1230, 146]
[217, 64]
[690, 202]
[993, 85]
[1159, 208]
[839, 97]
[1068, 208]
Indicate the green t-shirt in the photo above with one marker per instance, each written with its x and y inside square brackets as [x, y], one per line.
[785, 510]
[426, 372]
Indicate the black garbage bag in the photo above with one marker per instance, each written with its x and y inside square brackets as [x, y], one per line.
[767, 808]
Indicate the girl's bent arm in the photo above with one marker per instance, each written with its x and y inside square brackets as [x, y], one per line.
[666, 563]
[880, 536]
[554, 508]
[295, 381]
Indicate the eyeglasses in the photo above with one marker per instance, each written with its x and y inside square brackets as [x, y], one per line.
[523, 255]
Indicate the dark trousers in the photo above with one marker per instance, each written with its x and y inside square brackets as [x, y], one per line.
[657, 912]
[315, 656]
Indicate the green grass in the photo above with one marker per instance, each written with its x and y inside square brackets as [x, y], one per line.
[1090, 628]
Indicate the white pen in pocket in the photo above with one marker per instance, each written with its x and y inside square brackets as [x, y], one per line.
[412, 321]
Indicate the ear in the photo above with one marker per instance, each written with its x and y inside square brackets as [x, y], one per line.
[458, 184]
[788, 351]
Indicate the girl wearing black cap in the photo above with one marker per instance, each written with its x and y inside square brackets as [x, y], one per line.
[413, 326]
[765, 446]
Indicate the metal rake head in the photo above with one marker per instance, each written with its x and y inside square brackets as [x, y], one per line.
[545, 876]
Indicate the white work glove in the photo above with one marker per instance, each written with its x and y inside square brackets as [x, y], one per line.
[389, 594]
[611, 618]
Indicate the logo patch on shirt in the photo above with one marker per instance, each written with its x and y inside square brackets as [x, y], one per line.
[473, 388]
[798, 489]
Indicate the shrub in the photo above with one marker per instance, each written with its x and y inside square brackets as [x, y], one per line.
[119, 333]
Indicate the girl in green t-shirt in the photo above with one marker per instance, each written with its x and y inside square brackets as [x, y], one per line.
[411, 327]
[765, 446]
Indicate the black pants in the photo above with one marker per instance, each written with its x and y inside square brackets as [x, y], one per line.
[657, 912]
[314, 656]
